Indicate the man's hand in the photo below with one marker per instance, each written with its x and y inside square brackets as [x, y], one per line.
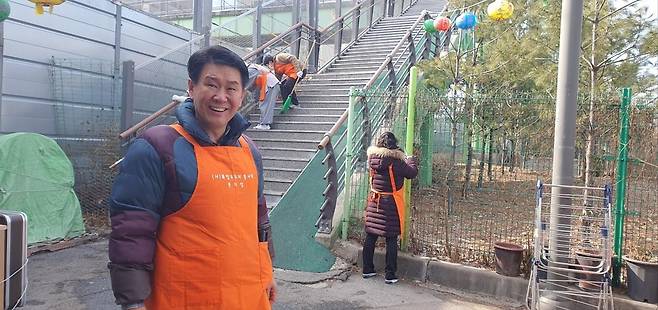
[271, 291]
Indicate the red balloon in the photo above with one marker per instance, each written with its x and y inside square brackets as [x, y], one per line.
[442, 24]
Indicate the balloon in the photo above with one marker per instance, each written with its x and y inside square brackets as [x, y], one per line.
[442, 24]
[467, 20]
[4, 10]
[429, 26]
[500, 10]
[40, 4]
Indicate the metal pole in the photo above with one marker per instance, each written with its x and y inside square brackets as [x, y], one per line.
[338, 43]
[314, 48]
[371, 13]
[391, 8]
[338, 9]
[355, 22]
[127, 94]
[565, 122]
[349, 155]
[409, 149]
[296, 18]
[202, 19]
[621, 176]
[258, 20]
[117, 55]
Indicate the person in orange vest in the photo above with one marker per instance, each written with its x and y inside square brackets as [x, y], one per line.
[266, 89]
[189, 222]
[289, 66]
[384, 214]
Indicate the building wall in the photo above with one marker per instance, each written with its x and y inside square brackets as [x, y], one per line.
[79, 38]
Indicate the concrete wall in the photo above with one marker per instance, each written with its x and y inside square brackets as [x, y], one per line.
[80, 37]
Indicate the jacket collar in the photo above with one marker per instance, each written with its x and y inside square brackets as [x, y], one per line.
[234, 129]
[384, 152]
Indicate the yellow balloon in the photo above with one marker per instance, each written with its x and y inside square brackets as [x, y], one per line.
[500, 10]
[40, 4]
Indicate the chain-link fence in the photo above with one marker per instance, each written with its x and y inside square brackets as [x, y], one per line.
[487, 152]
[640, 236]
[87, 100]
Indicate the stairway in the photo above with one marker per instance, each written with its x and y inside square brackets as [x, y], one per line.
[291, 143]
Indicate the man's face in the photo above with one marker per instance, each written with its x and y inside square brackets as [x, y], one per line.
[217, 96]
[271, 65]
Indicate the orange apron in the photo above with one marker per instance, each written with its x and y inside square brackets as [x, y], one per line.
[207, 253]
[398, 196]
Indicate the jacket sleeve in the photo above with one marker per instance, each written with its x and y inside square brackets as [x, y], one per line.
[263, 217]
[135, 200]
[409, 167]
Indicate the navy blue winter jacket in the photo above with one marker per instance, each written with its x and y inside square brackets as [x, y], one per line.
[157, 177]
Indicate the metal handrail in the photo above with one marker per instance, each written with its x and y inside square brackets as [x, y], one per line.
[279, 38]
[347, 14]
[375, 76]
[172, 104]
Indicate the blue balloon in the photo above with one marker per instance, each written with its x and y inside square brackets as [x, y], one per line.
[467, 20]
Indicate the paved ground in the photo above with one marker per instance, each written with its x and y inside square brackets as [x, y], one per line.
[77, 278]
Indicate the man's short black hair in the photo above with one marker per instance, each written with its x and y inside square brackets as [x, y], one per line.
[217, 55]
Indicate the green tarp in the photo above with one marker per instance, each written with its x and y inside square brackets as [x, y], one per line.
[37, 178]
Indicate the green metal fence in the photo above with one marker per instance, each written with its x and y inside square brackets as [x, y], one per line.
[481, 155]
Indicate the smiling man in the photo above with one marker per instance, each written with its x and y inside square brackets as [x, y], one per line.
[189, 222]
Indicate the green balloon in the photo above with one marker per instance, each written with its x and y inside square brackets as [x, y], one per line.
[4, 10]
[429, 26]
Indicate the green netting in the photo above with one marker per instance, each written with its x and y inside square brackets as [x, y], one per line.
[37, 178]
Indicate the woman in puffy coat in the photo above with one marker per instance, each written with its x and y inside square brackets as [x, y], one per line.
[384, 215]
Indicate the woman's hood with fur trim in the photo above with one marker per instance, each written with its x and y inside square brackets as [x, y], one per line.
[384, 152]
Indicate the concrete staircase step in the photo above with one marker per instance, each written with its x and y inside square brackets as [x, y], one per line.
[281, 173]
[289, 143]
[289, 161]
[359, 63]
[346, 69]
[389, 29]
[288, 117]
[371, 55]
[291, 116]
[283, 151]
[330, 87]
[309, 109]
[277, 185]
[291, 135]
[361, 58]
[355, 74]
[373, 39]
[299, 126]
[377, 45]
[347, 80]
[328, 104]
[312, 97]
[302, 125]
[394, 23]
[378, 48]
[385, 36]
[316, 91]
